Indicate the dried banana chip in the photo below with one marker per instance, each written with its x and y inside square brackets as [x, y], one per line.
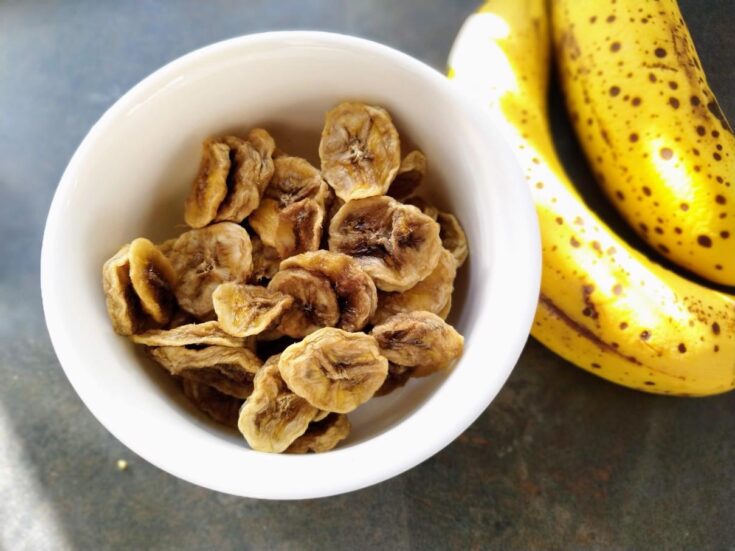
[295, 179]
[421, 341]
[229, 370]
[444, 312]
[299, 228]
[245, 310]
[210, 185]
[334, 370]
[265, 262]
[409, 177]
[123, 305]
[431, 294]
[424, 206]
[314, 302]
[395, 244]
[453, 236]
[202, 259]
[207, 333]
[360, 150]
[181, 317]
[222, 408]
[153, 280]
[323, 435]
[167, 246]
[264, 221]
[252, 169]
[398, 376]
[356, 293]
[273, 416]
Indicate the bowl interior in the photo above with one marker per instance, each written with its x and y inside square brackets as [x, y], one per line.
[130, 176]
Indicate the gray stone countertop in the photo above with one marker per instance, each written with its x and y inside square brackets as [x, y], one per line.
[561, 460]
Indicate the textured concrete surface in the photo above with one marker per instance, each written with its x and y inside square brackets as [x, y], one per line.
[561, 460]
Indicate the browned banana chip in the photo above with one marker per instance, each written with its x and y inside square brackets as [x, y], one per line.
[273, 416]
[123, 305]
[334, 370]
[431, 294]
[265, 262]
[251, 171]
[153, 280]
[398, 376]
[202, 259]
[356, 293]
[245, 310]
[453, 236]
[419, 340]
[299, 228]
[323, 435]
[222, 408]
[207, 333]
[409, 177]
[424, 206]
[229, 370]
[295, 179]
[210, 185]
[315, 302]
[360, 150]
[395, 244]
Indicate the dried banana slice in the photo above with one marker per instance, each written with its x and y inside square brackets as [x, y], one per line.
[409, 177]
[265, 262]
[153, 280]
[360, 150]
[123, 306]
[252, 169]
[245, 310]
[444, 312]
[222, 408]
[264, 221]
[295, 179]
[424, 206]
[167, 246]
[273, 416]
[453, 236]
[299, 228]
[210, 185]
[333, 369]
[323, 435]
[356, 293]
[398, 376]
[202, 259]
[229, 370]
[314, 302]
[421, 341]
[207, 333]
[395, 244]
[431, 294]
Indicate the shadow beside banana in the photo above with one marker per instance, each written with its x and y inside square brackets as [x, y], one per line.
[603, 306]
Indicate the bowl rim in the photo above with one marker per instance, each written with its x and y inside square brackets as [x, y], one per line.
[526, 268]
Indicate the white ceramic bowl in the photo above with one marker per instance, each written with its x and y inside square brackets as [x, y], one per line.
[129, 178]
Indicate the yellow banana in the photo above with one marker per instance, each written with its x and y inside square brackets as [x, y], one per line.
[603, 306]
[651, 127]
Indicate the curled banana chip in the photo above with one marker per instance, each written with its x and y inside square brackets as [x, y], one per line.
[210, 185]
[229, 370]
[395, 244]
[153, 280]
[424, 206]
[295, 179]
[222, 408]
[334, 370]
[322, 435]
[204, 258]
[265, 262]
[264, 221]
[360, 150]
[252, 169]
[355, 291]
[207, 333]
[314, 302]
[453, 236]
[421, 341]
[299, 228]
[245, 310]
[409, 177]
[273, 416]
[432, 294]
[123, 305]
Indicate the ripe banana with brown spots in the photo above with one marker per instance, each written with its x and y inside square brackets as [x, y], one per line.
[651, 127]
[604, 306]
